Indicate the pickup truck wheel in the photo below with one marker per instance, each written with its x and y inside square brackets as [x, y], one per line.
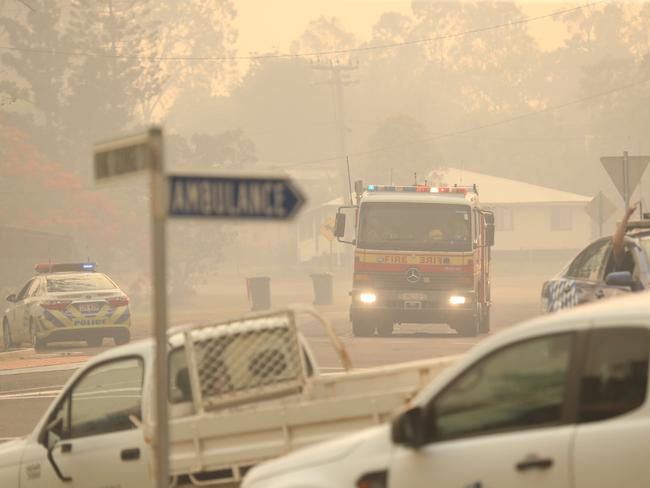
[362, 328]
[6, 336]
[122, 337]
[385, 329]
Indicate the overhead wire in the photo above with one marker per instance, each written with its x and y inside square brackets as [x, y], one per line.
[461, 132]
[305, 54]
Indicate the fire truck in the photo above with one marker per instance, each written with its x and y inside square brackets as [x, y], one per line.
[422, 255]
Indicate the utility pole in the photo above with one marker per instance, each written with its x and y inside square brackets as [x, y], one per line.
[339, 79]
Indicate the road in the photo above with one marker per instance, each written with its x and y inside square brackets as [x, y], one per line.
[26, 393]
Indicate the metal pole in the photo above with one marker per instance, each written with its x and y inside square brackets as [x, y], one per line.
[600, 214]
[158, 215]
[626, 180]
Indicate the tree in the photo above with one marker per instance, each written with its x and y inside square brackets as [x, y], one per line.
[197, 253]
[399, 148]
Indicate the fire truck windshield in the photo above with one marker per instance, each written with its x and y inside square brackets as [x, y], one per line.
[415, 227]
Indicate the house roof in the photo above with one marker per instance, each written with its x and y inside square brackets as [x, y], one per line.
[495, 189]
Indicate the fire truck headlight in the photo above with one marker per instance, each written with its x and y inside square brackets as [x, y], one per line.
[368, 298]
[457, 300]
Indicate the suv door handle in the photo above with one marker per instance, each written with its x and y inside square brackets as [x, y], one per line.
[130, 454]
[534, 463]
[65, 447]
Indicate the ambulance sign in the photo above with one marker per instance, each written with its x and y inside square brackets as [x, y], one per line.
[221, 197]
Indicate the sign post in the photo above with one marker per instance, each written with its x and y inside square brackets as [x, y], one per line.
[123, 157]
[220, 197]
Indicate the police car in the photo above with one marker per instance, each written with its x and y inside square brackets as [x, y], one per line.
[67, 302]
[592, 275]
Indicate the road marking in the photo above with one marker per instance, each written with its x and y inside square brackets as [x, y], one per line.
[14, 351]
[42, 369]
[26, 390]
[33, 394]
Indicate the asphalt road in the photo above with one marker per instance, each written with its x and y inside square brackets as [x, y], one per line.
[25, 394]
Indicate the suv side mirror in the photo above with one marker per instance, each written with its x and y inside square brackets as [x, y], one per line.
[408, 428]
[489, 235]
[622, 278]
[339, 225]
[12, 298]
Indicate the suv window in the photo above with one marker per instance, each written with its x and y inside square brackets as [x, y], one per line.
[519, 387]
[105, 397]
[615, 374]
[589, 263]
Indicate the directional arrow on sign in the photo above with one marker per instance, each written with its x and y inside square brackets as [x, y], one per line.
[221, 197]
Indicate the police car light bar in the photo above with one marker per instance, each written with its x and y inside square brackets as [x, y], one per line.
[423, 189]
[60, 267]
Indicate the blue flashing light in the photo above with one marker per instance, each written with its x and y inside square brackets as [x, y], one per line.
[371, 187]
[89, 266]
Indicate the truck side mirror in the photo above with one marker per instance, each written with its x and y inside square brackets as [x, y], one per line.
[623, 279]
[489, 228]
[12, 298]
[489, 235]
[408, 428]
[339, 225]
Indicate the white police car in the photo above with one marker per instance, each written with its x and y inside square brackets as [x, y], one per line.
[67, 302]
[561, 402]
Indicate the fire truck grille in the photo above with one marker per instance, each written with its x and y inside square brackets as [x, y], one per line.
[427, 281]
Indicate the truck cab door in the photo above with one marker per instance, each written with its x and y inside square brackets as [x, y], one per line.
[492, 428]
[96, 443]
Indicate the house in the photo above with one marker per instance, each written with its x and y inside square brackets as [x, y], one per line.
[530, 217]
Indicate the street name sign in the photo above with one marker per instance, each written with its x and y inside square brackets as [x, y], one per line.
[225, 197]
[123, 156]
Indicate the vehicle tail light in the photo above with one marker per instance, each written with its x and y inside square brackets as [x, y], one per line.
[118, 301]
[55, 304]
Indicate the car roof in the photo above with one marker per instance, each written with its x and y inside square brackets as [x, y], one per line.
[69, 273]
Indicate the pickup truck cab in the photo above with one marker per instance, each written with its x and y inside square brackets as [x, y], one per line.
[240, 393]
[560, 401]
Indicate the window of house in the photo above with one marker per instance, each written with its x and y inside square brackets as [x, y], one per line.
[561, 219]
[504, 219]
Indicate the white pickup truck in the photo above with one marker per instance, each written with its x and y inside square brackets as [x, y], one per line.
[240, 393]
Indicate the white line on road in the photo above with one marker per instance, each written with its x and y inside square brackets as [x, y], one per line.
[41, 369]
[25, 390]
[33, 394]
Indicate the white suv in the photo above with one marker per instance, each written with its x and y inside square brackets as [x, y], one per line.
[559, 402]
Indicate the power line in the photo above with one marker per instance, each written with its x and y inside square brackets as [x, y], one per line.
[333, 52]
[473, 129]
